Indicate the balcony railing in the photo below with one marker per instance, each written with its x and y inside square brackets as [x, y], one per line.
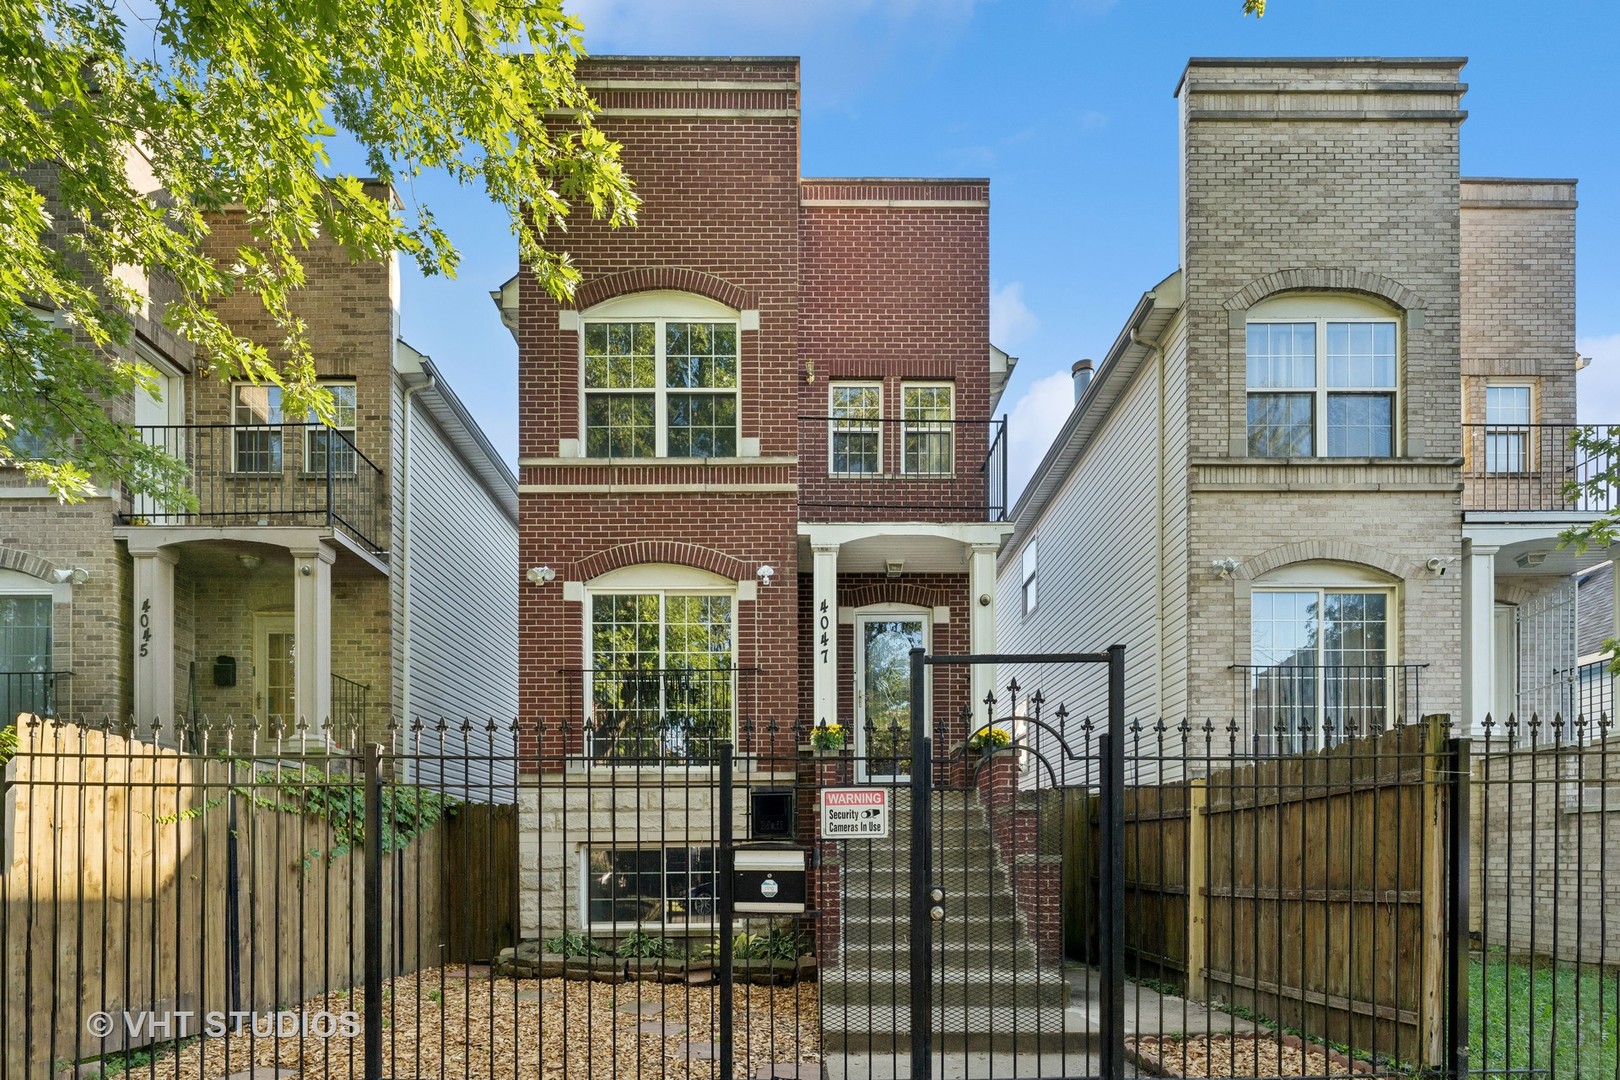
[1538, 467]
[667, 716]
[1296, 707]
[30, 692]
[953, 468]
[271, 474]
[349, 700]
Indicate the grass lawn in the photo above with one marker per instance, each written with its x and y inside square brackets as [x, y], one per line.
[1541, 1018]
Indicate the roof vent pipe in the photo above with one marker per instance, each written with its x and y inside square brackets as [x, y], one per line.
[1082, 377]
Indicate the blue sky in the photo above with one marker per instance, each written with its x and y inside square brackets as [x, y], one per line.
[1066, 106]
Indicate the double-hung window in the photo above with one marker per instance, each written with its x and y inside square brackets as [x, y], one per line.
[662, 679]
[257, 418]
[927, 429]
[1507, 429]
[855, 429]
[661, 388]
[337, 440]
[1322, 387]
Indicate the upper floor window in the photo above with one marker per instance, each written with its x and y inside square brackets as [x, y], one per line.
[1322, 383]
[260, 421]
[927, 432]
[1508, 412]
[660, 378]
[856, 435]
[1028, 567]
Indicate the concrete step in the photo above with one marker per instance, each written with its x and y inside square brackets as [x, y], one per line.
[951, 955]
[875, 905]
[893, 988]
[887, 932]
[1026, 1029]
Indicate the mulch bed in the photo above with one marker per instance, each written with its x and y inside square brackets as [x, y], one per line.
[1264, 1056]
[440, 1023]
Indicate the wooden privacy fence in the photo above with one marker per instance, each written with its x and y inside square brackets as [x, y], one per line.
[1310, 889]
[138, 880]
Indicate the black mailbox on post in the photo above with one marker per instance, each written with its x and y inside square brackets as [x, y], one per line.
[769, 881]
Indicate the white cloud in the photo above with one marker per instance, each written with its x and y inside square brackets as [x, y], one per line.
[1011, 321]
[1598, 387]
[1033, 423]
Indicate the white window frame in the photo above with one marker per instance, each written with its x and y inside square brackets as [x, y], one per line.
[1325, 578]
[315, 428]
[946, 427]
[1525, 429]
[700, 925]
[1029, 566]
[14, 584]
[272, 430]
[661, 308]
[1323, 310]
[664, 582]
[872, 426]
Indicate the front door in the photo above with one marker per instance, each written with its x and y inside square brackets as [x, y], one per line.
[158, 414]
[273, 658]
[883, 644]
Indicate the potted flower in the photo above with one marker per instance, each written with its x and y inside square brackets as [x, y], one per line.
[987, 739]
[827, 738]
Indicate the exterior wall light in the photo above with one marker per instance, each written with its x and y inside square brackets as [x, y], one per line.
[541, 575]
[76, 575]
[765, 573]
[1225, 568]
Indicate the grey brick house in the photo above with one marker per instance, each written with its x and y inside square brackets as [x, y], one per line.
[1316, 480]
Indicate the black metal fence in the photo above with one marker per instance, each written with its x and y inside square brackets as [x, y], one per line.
[1539, 467]
[1398, 902]
[37, 692]
[1293, 708]
[904, 460]
[272, 474]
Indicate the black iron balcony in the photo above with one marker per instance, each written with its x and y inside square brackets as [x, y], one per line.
[1295, 707]
[271, 474]
[349, 701]
[30, 692]
[953, 470]
[667, 716]
[1539, 467]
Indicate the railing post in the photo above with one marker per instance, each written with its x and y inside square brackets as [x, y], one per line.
[1458, 824]
[922, 876]
[726, 902]
[1111, 879]
[372, 764]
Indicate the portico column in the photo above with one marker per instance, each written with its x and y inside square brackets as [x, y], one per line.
[154, 640]
[1479, 635]
[824, 633]
[312, 637]
[982, 625]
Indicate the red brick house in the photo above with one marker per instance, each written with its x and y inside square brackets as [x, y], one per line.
[757, 466]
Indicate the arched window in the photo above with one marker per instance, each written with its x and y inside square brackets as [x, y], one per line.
[1323, 377]
[660, 377]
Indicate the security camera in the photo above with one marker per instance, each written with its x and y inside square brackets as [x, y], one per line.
[1436, 566]
[540, 575]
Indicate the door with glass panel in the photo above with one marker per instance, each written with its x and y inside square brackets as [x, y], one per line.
[273, 669]
[883, 644]
[26, 683]
[1320, 665]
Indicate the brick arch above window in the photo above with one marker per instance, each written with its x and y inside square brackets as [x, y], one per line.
[1325, 279]
[676, 552]
[672, 278]
[1342, 551]
[26, 563]
[894, 593]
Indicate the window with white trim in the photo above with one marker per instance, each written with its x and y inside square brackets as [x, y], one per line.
[258, 419]
[1028, 565]
[927, 431]
[1322, 645]
[337, 438]
[672, 886]
[855, 429]
[660, 378]
[662, 673]
[1509, 409]
[1325, 385]
[27, 683]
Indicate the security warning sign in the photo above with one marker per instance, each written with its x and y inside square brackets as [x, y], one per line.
[854, 813]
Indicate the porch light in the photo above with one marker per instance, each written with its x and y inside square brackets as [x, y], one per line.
[541, 575]
[1531, 559]
[894, 566]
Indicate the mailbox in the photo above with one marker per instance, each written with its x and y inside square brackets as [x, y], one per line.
[768, 881]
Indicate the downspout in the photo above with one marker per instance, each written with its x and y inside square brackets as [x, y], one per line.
[404, 560]
[1154, 347]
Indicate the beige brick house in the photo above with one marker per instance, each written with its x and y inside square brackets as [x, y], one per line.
[1316, 481]
[359, 574]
